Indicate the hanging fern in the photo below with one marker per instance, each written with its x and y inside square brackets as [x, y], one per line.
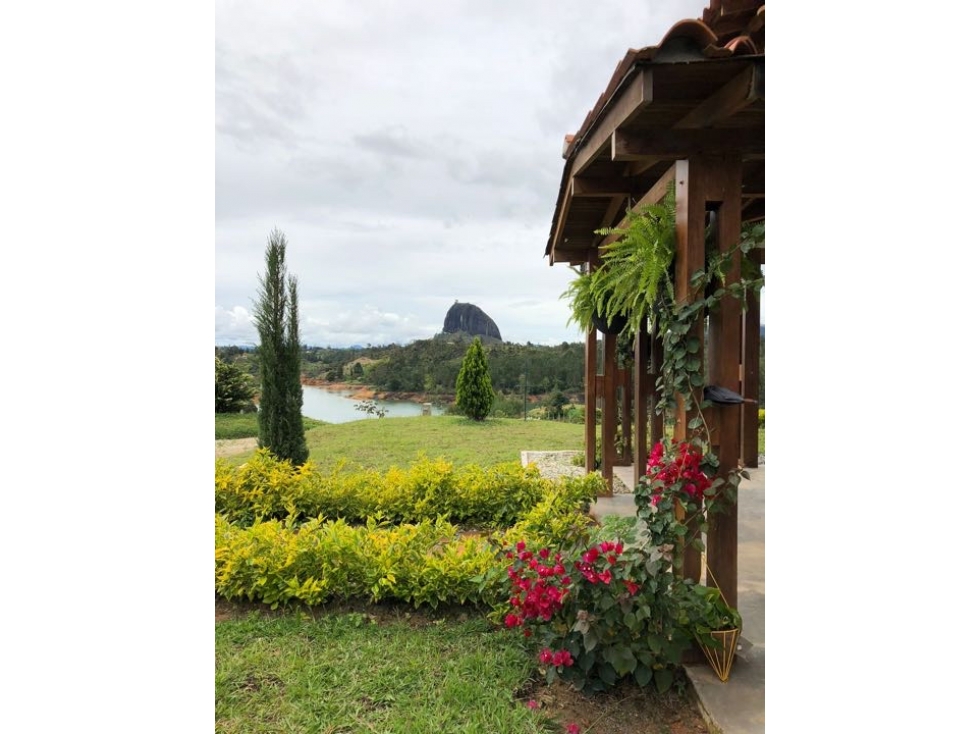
[636, 266]
[582, 300]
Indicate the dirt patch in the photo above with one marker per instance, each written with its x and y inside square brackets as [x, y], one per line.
[627, 709]
[233, 446]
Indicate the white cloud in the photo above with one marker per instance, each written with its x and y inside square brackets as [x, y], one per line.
[410, 152]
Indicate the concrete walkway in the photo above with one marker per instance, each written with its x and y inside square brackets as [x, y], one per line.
[738, 705]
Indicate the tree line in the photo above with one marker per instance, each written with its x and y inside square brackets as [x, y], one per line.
[432, 366]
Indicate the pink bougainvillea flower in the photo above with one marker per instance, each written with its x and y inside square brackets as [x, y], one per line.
[532, 704]
[546, 656]
[573, 728]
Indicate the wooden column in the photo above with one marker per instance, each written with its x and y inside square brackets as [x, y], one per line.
[751, 337]
[659, 420]
[691, 203]
[722, 179]
[626, 423]
[591, 373]
[640, 381]
[609, 412]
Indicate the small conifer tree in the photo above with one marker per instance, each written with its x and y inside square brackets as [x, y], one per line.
[233, 389]
[280, 420]
[474, 390]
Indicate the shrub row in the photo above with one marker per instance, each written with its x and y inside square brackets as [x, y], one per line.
[278, 561]
[275, 562]
[497, 496]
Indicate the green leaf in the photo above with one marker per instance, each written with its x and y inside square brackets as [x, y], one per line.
[664, 679]
[590, 640]
[622, 659]
[643, 675]
[607, 673]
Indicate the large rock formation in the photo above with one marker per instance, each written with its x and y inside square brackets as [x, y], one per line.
[471, 320]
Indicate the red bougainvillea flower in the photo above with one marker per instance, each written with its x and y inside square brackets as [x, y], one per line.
[546, 656]
[562, 657]
[572, 728]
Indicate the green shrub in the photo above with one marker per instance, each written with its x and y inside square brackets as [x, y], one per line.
[761, 417]
[498, 496]
[281, 562]
[272, 543]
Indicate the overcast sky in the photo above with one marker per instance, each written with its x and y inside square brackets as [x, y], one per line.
[411, 154]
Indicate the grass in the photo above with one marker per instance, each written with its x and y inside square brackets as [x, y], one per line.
[355, 672]
[379, 443]
[245, 425]
[382, 442]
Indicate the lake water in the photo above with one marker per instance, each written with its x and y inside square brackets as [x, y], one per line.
[336, 406]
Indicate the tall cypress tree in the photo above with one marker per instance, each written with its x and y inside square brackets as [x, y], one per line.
[474, 389]
[280, 420]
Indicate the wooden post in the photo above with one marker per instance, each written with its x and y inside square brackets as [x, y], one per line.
[690, 256]
[659, 420]
[640, 381]
[609, 411]
[751, 327]
[722, 180]
[591, 374]
[626, 424]
[591, 383]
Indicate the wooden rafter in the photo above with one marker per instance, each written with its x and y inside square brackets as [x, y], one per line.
[734, 96]
[635, 97]
[656, 192]
[605, 186]
[684, 143]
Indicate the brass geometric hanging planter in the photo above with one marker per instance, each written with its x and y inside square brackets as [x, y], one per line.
[722, 658]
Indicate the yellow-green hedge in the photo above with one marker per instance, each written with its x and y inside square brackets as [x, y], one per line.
[498, 496]
[275, 562]
[310, 561]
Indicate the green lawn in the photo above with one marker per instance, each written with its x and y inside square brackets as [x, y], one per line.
[383, 442]
[245, 425]
[354, 672]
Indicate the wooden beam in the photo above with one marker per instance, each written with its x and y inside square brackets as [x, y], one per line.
[742, 90]
[685, 143]
[655, 194]
[561, 220]
[638, 168]
[587, 186]
[611, 211]
[634, 97]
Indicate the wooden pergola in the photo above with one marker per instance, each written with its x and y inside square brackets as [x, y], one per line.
[688, 112]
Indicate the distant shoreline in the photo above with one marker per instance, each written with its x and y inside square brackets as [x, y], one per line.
[365, 392]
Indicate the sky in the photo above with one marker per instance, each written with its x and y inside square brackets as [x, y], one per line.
[411, 155]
